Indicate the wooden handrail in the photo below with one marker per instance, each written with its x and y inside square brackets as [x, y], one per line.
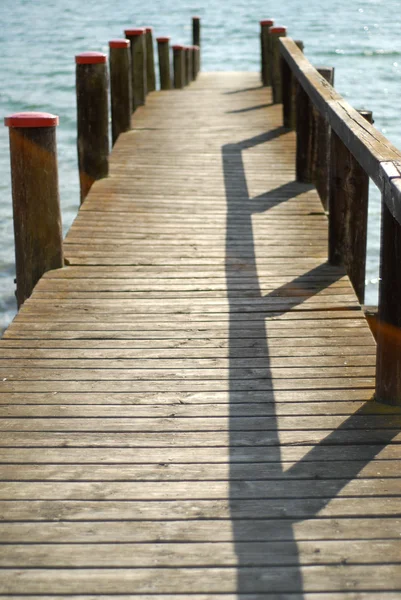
[364, 141]
[357, 150]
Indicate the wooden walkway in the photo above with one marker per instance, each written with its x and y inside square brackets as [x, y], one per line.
[186, 409]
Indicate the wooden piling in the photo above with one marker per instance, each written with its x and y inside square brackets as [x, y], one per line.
[303, 135]
[196, 31]
[275, 66]
[320, 157]
[315, 141]
[388, 364]
[36, 203]
[138, 66]
[150, 61]
[289, 86]
[163, 48]
[92, 118]
[265, 51]
[179, 66]
[348, 212]
[195, 61]
[120, 87]
[188, 64]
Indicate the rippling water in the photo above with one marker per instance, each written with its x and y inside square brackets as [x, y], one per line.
[39, 38]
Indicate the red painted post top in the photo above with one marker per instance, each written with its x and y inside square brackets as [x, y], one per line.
[148, 29]
[278, 29]
[196, 18]
[178, 47]
[90, 58]
[163, 39]
[134, 32]
[267, 22]
[31, 119]
[119, 43]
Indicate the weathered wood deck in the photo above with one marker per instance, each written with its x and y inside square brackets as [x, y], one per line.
[186, 409]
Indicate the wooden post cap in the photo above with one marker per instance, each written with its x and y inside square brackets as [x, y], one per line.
[178, 47]
[31, 119]
[134, 32]
[267, 22]
[90, 58]
[278, 30]
[163, 39]
[148, 29]
[196, 18]
[119, 43]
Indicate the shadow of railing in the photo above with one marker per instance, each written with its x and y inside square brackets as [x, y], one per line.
[247, 505]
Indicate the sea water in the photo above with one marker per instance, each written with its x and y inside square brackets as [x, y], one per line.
[39, 39]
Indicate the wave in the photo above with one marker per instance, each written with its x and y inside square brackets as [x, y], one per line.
[361, 53]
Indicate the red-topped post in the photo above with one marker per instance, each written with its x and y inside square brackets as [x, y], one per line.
[120, 86]
[138, 66]
[275, 33]
[265, 25]
[150, 61]
[163, 47]
[36, 202]
[179, 66]
[92, 118]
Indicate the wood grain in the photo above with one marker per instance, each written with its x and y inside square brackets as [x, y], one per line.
[186, 409]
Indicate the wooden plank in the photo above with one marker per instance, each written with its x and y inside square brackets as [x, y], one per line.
[243, 491]
[198, 439]
[180, 385]
[193, 457]
[210, 581]
[183, 363]
[267, 554]
[199, 424]
[242, 374]
[201, 530]
[205, 472]
[231, 397]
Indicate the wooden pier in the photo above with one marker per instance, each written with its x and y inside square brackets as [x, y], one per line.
[187, 407]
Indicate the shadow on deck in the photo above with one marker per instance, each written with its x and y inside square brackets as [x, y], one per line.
[276, 515]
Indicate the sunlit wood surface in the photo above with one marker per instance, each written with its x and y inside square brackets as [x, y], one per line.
[187, 407]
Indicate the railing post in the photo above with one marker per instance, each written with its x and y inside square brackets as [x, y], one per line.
[179, 66]
[188, 64]
[163, 48]
[303, 134]
[36, 203]
[388, 365]
[265, 50]
[286, 87]
[92, 119]
[348, 212]
[196, 61]
[275, 33]
[321, 148]
[289, 87]
[120, 87]
[196, 31]
[150, 61]
[138, 66]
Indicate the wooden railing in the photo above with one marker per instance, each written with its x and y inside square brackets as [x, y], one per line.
[353, 152]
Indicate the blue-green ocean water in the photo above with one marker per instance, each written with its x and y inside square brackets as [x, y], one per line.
[39, 38]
